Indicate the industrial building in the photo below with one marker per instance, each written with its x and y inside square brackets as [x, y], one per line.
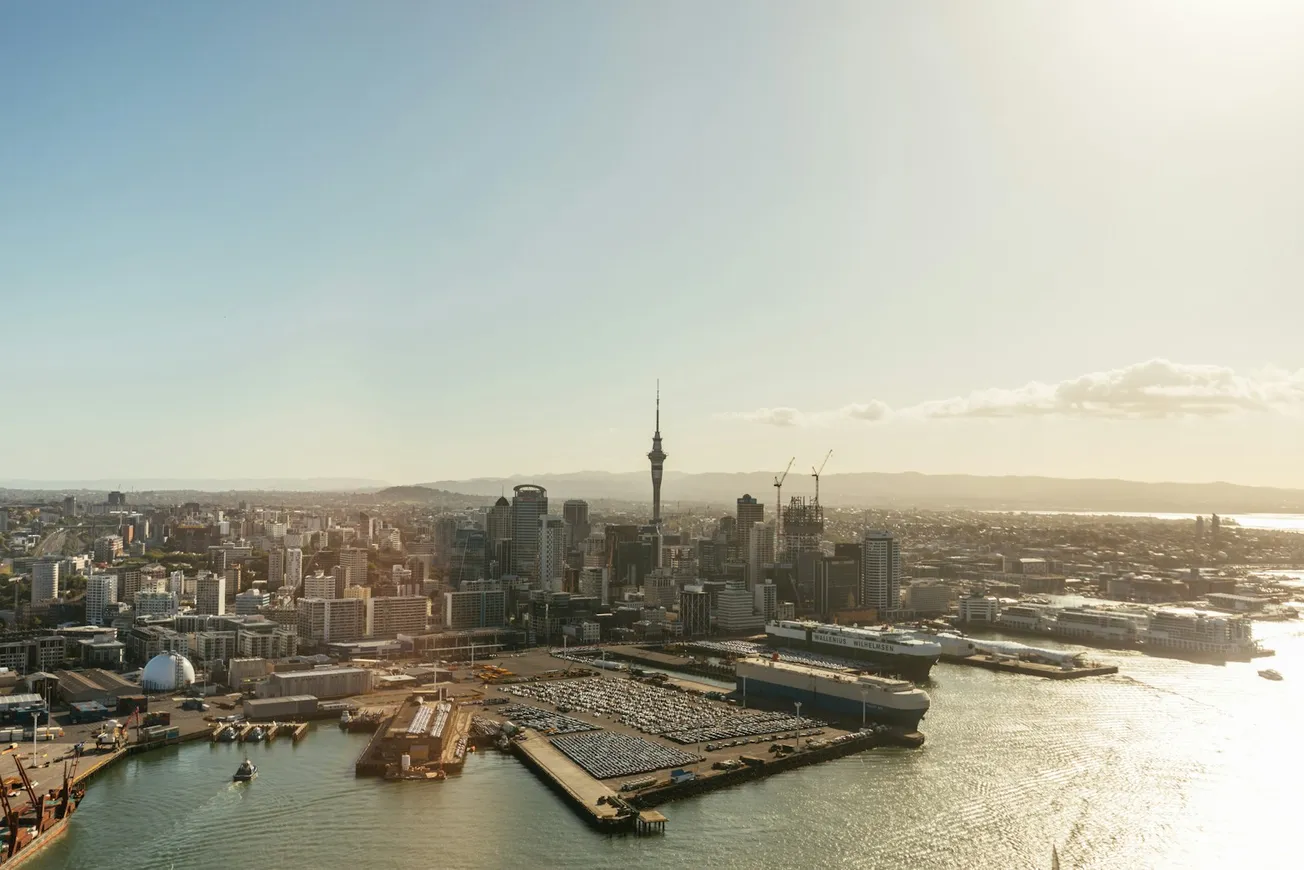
[94, 685]
[320, 683]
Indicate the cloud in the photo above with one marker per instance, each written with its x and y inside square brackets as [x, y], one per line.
[870, 411]
[772, 416]
[1157, 388]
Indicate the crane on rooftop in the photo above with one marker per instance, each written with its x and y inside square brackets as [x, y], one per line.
[778, 507]
[815, 473]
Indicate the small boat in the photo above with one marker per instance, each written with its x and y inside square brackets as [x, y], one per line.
[1270, 674]
[227, 734]
[256, 734]
[245, 772]
[345, 718]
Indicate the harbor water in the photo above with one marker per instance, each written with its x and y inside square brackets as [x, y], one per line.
[1169, 764]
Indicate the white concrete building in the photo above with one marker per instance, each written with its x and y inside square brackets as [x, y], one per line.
[735, 612]
[101, 591]
[978, 608]
[880, 572]
[210, 594]
[319, 585]
[45, 581]
[152, 603]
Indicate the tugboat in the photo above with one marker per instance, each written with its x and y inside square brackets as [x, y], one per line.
[245, 772]
[1270, 674]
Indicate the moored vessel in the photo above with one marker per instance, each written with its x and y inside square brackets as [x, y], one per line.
[898, 703]
[29, 829]
[887, 650]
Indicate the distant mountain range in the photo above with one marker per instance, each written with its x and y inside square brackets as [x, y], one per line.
[721, 490]
[175, 484]
[904, 490]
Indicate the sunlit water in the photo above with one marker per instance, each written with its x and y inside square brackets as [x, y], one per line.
[1275, 522]
[1169, 764]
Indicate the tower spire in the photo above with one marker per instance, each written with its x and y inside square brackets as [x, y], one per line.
[657, 458]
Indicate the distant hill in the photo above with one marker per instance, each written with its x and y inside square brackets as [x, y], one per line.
[430, 496]
[176, 484]
[909, 489]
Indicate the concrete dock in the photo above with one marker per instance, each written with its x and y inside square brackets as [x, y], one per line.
[1034, 669]
[588, 795]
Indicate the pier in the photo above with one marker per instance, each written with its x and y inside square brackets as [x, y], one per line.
[1008, 665]
[601, 807]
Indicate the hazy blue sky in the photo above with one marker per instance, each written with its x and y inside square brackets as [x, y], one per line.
[410, 240]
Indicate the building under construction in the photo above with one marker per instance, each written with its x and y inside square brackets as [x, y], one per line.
[803, 528]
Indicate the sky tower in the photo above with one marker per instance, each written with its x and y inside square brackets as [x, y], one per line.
[657, 457]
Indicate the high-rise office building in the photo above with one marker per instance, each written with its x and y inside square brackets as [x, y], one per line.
[293, 567]
[498, 521]
[210, 594]
[765, 600]
[528, 504]
[45, 581]
[275, 568]
[880, 572]
[750, 512]
[355, 559]
[657, 457]
[760, 552]
[101, 591]
[576, 514]
[695, 611]
[552, 552]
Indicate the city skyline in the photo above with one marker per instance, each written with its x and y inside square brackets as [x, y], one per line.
[1018, 240]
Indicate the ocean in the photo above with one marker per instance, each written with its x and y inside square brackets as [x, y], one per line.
[1168, 764]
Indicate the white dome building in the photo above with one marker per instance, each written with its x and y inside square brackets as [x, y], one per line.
[167, 672]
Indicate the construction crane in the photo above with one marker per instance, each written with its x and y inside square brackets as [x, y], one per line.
[815, 473]
[778, 507]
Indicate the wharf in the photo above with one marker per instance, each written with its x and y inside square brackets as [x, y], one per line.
[1035, 669]
[600, 806]
[683, 664]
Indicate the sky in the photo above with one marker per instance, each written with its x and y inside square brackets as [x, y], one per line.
[412, 241]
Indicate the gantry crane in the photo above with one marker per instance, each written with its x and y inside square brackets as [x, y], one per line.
[778, 507]
[815, 473]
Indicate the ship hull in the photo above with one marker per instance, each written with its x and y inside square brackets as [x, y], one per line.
[37, 845]
[915, 668]
[835, 693]
[813, 699]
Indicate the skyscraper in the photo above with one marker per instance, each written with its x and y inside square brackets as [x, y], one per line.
[529, 502]
[750, 512]
[275, 568]
[880, 572]
[45, 581]
[498, 521]
[658, 458]
[552, 552]
[293, 567]
[576, 513]
[101, 591]
[355, 559]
